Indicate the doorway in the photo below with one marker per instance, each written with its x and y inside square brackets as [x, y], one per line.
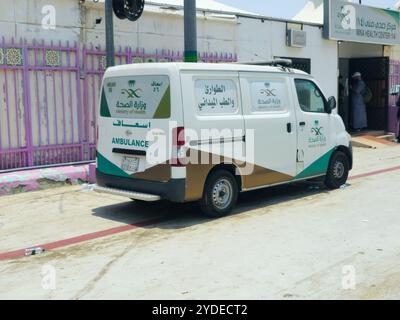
[375, 73]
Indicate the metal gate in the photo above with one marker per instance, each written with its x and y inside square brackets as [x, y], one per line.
[48, 99]
[394, 80]
[375, 72]
[41, 109]
[94, 65]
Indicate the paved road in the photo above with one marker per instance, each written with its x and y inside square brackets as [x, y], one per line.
[293, 242]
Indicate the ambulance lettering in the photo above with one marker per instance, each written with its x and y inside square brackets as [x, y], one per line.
[130, 142]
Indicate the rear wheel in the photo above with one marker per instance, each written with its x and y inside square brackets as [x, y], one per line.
[338, 170]
[220, 194]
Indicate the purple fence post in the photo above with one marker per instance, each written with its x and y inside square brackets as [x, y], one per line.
[128, 55]
[69, 99]
[86, 97]
[93, 95]
[79, 96]
[45, 95]
[16, 103]
[63, 100]
[54, 99]
[37, 95]
[27, 105]
[7, 103]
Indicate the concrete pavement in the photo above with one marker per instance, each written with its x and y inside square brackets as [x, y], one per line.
[292, 242]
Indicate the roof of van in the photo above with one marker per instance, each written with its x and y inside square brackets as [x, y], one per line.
[204, 67]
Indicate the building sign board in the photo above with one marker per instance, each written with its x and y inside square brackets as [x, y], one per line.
[349, 21]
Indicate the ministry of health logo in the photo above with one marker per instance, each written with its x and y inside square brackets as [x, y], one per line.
[317, 129]
[347, 17]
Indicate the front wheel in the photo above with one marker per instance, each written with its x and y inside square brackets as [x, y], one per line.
[338, 170]
[220, 194]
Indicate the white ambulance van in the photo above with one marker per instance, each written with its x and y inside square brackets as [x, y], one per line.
[205, 132]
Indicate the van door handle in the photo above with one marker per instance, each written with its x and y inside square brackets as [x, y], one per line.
[302, 124]
[289, 127]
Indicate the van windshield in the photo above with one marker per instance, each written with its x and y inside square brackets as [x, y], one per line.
[136, 97]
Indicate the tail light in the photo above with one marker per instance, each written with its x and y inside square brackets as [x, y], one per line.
[178, 147]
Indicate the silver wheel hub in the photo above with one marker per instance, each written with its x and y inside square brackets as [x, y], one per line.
[222, 194]
[338, 170]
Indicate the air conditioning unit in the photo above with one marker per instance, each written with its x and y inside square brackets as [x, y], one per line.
[296, 38]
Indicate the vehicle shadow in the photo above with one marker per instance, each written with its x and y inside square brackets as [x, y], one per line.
[166, 215]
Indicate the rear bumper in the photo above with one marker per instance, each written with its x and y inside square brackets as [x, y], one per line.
[128, 194]
[173, 190]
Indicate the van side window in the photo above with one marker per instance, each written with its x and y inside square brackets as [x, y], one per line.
[268, 95]
[310, 97]
[216, 97]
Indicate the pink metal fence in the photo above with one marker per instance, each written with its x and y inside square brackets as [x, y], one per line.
[94, 65]
[394, 79]
[41, 105]
[49, 95]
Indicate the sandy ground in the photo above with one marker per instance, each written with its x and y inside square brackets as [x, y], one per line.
[294, 242]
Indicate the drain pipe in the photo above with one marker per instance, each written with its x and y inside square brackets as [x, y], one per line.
[109, 33]
[190, 25]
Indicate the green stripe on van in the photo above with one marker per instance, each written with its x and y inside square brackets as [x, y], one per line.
[164, 108]
[106, 166]
[320, 166]
[104, 110]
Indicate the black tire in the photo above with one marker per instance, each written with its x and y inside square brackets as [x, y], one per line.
[338, 170]
[220, 194]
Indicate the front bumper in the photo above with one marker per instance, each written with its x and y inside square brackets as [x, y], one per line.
[172, 190]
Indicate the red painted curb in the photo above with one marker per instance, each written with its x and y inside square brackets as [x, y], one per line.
[99, 234]
[374, 173]
[81, 238]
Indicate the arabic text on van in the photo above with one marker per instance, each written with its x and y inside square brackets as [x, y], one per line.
[131, 107]
[213, 97]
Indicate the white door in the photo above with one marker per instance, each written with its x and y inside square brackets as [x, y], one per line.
[315, 137]
[268, 111]
[130, 108]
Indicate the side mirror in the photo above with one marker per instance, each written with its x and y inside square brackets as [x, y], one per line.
[331, 105]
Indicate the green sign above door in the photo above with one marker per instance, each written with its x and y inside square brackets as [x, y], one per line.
[348, 21]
